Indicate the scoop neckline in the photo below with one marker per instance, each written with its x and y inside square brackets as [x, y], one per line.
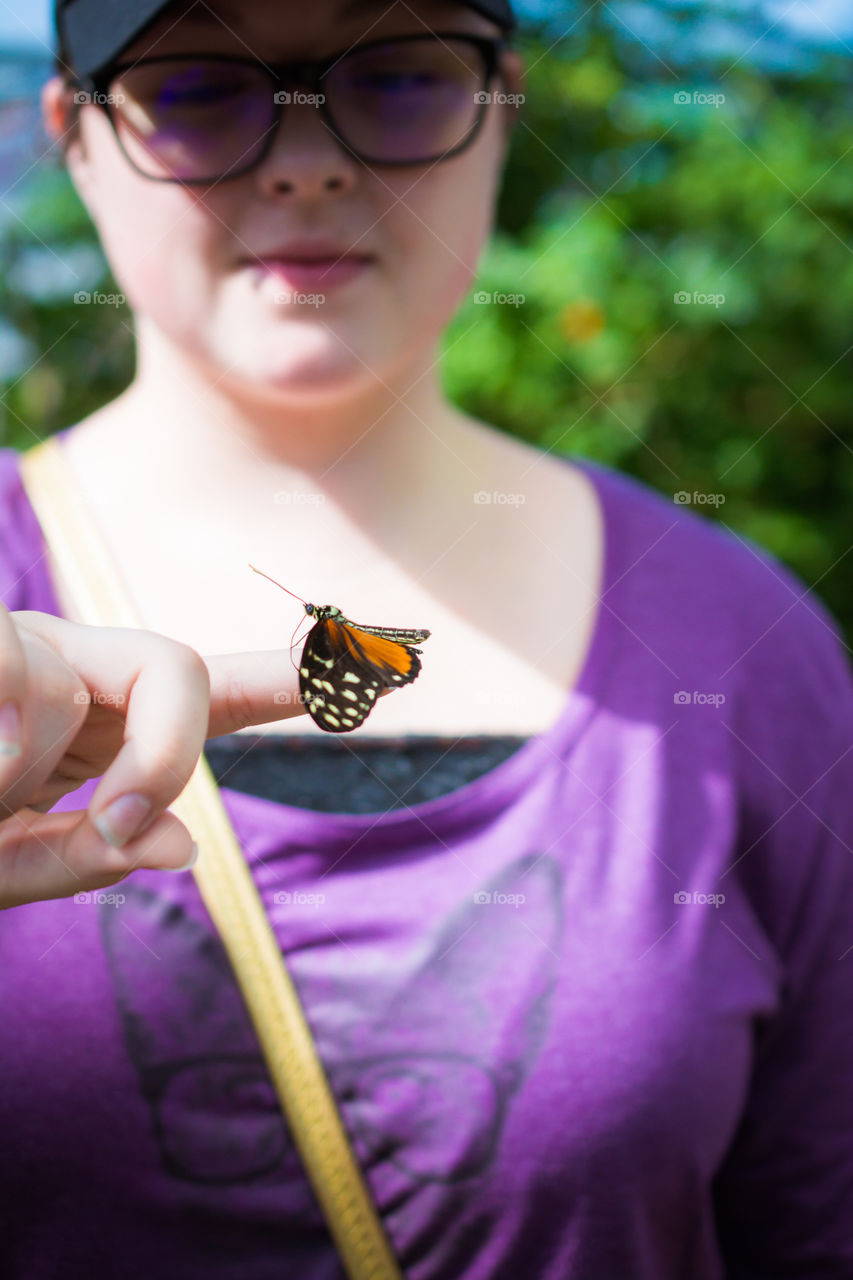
[494, 790]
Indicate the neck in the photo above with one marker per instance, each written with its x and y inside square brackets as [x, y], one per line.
[381, 427]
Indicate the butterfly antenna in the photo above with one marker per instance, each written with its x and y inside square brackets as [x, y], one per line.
[277, 584]
[296, 597]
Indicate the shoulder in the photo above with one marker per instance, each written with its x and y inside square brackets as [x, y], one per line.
[710, 562]
[705, 615]
[704, 582]
[694, 606]
[745, 674]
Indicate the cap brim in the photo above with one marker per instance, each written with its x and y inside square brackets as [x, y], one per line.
[96, 31]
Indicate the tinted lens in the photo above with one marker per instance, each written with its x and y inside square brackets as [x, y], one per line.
[192, 119]
[197, 119]
[406, 101]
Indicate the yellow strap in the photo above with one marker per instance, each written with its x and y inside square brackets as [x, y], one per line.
[226, 885]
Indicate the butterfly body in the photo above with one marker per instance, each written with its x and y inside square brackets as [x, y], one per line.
[345, 667]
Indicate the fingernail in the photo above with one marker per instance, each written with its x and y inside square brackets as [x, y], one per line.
[122, 819]
[187, 865]
[10, 729]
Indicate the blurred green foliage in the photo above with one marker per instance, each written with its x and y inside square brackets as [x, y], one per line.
[617, 198]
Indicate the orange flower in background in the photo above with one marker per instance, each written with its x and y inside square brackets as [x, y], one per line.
[582, 320]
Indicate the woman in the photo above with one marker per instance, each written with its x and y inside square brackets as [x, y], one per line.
[569, 915]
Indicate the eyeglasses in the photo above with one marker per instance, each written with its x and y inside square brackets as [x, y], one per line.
[203, 118]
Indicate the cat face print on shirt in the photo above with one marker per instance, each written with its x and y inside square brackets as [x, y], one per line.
[424, 1065]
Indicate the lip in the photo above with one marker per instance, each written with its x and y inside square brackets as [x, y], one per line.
[311, 264]
[310, 249]
[313, 276]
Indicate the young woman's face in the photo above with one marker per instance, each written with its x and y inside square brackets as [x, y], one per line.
[186, 257]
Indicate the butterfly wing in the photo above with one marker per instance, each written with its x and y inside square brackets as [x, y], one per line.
[345, 668]
[393, 661]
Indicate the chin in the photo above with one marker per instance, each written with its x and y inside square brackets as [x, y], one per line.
[297, 375]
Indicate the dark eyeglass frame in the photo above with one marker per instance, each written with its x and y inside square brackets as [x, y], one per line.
[312, 73]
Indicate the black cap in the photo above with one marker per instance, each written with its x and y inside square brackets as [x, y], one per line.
[96, 31]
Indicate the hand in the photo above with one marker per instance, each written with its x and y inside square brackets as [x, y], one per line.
[132, 705]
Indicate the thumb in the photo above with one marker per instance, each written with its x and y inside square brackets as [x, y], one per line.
[56, 855]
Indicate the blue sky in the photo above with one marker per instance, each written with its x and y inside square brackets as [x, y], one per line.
[26, 22]
[30, 22]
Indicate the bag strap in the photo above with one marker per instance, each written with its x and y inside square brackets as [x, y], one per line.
[89, 573]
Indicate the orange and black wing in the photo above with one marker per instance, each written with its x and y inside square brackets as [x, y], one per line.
[345, 668]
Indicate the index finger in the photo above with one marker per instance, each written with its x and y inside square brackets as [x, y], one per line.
[254, 688]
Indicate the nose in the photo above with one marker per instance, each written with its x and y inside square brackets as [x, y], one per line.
[305, 157]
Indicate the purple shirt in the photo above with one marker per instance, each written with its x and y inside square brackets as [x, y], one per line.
[588, 1016]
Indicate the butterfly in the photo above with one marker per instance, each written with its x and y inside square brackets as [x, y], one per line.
[346, 666]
